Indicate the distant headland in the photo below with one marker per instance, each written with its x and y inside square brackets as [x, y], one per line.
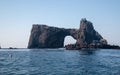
[43, 36]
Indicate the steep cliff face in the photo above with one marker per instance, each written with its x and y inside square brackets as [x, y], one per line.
[87, 34]
[43, 36]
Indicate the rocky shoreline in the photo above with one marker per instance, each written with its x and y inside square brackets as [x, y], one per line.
[78, 47]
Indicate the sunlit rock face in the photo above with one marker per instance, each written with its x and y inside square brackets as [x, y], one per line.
[43, 36]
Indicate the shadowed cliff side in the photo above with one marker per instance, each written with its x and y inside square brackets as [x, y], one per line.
[43, 36]
[87, 34]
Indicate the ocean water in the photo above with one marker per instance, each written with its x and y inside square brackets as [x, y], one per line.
[59, 62]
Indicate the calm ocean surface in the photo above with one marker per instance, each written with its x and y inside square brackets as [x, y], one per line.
[59, 62]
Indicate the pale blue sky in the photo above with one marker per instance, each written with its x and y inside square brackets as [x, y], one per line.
[17, 17]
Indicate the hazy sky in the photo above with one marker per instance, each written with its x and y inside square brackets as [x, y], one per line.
[17, 17]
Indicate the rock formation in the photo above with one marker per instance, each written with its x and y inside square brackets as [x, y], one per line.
[43, 36]
[87, 37]
[87, 33]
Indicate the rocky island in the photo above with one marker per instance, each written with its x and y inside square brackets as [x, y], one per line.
[43, 36]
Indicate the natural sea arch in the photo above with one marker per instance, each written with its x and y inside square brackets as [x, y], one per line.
[43, 36]
[69, 40]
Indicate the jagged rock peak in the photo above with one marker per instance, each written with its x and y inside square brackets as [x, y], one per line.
[86, 25]
[86, 33]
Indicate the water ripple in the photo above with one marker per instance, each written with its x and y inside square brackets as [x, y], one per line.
[61, 62]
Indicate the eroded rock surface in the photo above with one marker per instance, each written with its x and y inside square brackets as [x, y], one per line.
[43, 36]
[87, 34]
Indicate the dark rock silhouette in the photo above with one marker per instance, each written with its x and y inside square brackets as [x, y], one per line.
[43, 36]
[87, 34]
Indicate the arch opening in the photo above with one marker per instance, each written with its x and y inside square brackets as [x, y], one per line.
[69, 40]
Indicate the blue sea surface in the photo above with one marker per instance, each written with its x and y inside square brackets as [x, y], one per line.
[59, 62]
